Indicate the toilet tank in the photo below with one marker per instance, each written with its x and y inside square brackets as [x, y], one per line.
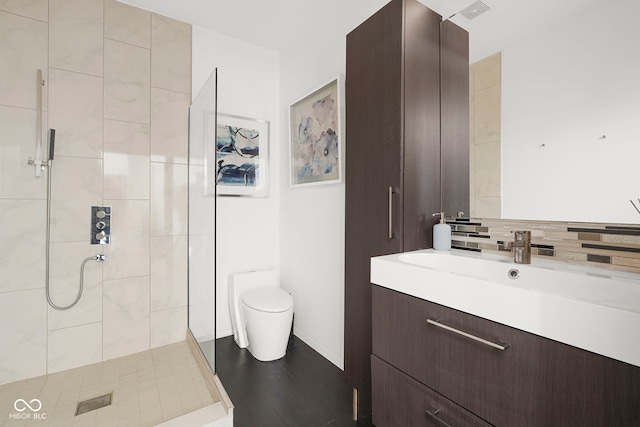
[238, 284]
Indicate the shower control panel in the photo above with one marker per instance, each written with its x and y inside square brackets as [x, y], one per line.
[100, 225]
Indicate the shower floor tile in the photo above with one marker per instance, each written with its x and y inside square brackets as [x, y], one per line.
[148, 388]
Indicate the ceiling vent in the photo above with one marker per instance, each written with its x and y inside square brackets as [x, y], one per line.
[474, 10]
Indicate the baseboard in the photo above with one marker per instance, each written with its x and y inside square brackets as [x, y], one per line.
[330, 356]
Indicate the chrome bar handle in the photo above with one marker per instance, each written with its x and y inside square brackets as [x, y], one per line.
[392, 191]
[433, 413]
[464, 334]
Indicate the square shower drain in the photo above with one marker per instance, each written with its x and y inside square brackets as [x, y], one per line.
[93, 404]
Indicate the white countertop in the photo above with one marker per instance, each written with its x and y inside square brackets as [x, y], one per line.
[589, 308]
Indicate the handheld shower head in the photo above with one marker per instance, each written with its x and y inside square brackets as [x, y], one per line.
[52, 142]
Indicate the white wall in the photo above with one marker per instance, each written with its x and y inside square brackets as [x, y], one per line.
[247, 228]
[299, 231]
[312, 218]
[565, 89]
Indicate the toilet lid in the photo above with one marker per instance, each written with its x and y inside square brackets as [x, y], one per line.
[271, 300]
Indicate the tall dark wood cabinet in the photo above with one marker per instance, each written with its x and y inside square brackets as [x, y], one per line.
[393, 152]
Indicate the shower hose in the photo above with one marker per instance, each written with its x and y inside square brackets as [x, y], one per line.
[98, 257]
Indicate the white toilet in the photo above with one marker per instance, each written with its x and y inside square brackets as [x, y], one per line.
[261, 314]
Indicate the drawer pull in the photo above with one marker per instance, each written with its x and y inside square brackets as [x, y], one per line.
[433, 413]
[464, 334]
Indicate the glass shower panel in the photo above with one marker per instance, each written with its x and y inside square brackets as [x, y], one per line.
[202, 125]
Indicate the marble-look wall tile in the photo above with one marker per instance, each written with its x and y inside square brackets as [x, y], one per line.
[76, 35]
[17, 146]
[201, 207]
[64, 284]
[76, 186]
[127, 24]
[487, 169]
[75, 112]
[126, 160]
[126, 82]
[35, 9]
[168, 272]
[126, 316]
[169, 126]
[23, 249]
[170, 54]
[487, 113]
[23, 50]
[168, 326]
[128, 252]
[169, 194]
[201, 286]
[488, 207]
[74, 347]
[23, 332]
[487, 72]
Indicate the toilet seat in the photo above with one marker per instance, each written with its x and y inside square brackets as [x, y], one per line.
[268, 300]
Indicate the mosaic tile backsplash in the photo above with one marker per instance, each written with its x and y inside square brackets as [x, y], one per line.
[611, 246]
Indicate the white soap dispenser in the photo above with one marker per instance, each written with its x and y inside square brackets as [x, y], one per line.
[441, 234]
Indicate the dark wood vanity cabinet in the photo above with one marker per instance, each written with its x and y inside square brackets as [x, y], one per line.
[533, 381]
[393, 147]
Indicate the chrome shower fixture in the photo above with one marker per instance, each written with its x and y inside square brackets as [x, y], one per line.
[100, 225]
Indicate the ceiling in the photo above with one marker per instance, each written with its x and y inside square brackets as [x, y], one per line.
[286, 25]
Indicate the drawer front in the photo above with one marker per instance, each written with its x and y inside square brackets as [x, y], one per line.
[532, 382]
[482, 378]
[401, 401]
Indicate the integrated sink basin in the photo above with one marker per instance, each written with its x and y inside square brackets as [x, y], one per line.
[594, 309]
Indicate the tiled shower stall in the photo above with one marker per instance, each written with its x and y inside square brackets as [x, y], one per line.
[117, 88]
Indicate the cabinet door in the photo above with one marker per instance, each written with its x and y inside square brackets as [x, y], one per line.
[373, 159]
[401, 401]
[454, 148]
[533, 382]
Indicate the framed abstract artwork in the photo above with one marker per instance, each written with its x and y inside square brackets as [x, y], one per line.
[315, 146]
[242, 155]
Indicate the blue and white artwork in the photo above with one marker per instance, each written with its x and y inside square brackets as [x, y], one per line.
[239, 156]
[315, 138]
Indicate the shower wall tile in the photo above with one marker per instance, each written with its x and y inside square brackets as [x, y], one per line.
[126, 160]
[23, 50]
[75, 112]
[126, 316]
[168, 272]
[126, 82]
[201, 286]
[200, 206]
[487, 72]
[23, 330]
[76, 35]
[64, 284]
[169, 194]
[127, 24]
[76, 186]
[23, 247]
[170, 54]
[487, 122]
[487, 169]
[17, 146]
[128, 253]
[169, 126]
[35, 9]
[168, 326]
[74, 347]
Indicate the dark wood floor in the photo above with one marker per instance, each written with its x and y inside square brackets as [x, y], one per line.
[303, 389]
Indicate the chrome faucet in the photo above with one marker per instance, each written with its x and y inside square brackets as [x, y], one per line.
[521, 247]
